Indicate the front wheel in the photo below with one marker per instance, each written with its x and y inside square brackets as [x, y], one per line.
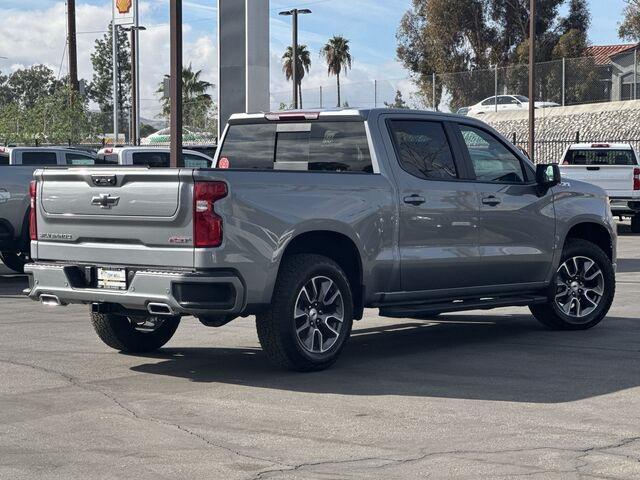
[582, 291]
[134, 334]
[310, 318]
[15, 261]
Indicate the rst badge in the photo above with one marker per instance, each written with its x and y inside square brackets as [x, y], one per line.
[180, 240]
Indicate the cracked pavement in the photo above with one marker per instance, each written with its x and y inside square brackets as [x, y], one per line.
[467, 396]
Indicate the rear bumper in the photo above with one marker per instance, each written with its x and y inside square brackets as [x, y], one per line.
[198, 294]
[625, 205]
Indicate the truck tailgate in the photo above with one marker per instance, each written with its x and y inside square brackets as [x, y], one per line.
[616, 180]
[115, 216]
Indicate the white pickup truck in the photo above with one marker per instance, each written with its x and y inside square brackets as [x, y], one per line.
[611, 166]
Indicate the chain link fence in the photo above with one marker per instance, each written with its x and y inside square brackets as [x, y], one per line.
[565, 82]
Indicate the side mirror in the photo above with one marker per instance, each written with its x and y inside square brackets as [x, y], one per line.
[548, 175]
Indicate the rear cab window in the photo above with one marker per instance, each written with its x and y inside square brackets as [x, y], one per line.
[4, 158]
[604, 156]
[318, 146]
[151, 159]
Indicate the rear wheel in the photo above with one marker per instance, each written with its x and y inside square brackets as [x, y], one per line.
[134, 334]
[635, 223]
[15, 261]
[582, 290]
[310, 318]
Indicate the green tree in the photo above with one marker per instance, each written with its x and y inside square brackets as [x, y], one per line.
[398, 102]
[471, 36]
[337, 54]
[303, 64]
[630, 26]
[197, 105]
[100, 90]
[26, 86]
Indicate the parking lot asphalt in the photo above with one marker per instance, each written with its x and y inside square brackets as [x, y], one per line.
[466, 396]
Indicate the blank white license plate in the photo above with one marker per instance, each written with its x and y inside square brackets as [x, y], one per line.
[112, 279]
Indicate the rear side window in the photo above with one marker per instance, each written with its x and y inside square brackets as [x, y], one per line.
[151, 159]
[39, 158]
[4, 159]
[79, 159]
[423, 149]
[312, 147]
[600, 157]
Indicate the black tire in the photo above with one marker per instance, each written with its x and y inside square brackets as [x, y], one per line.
[553, 317]
[119, 333]
[635, 223]
[277, 327]
[14, 261]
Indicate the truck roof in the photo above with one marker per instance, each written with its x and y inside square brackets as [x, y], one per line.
[314, 114]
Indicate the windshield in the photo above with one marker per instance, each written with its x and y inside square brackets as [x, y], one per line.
[600, 157]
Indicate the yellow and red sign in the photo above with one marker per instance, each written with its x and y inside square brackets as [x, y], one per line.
[125, 12]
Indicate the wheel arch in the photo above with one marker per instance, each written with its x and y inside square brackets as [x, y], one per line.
[595, 233]
[339, 247]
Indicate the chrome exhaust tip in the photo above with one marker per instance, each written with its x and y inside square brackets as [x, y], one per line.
[50, 300]
[161, 309]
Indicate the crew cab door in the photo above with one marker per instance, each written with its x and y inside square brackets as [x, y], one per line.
[517, 221]
[438, 208]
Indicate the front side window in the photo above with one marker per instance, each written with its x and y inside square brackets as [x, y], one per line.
[423, 149]
[4, 159]
[489, 101]
[39, 158]
[79, 159]
[491, 160]
[195, 161]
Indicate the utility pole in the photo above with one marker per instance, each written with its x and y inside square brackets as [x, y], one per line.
[294, 49]
[532, 80]
[175, 39]
[114, 35]
[71, 42]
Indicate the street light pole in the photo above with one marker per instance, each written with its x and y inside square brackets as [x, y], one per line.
[175, 39]
[532, 80]
[135, 86]
[294, 49]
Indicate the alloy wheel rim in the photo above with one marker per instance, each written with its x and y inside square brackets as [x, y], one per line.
[319, 315]
[579, 287]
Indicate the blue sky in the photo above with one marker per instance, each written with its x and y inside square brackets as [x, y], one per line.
[370, 24]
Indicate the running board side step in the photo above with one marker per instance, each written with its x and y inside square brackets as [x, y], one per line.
[483, 303]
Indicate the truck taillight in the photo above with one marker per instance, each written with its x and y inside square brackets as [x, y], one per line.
[636, 178]
[207, 225]
[33, 226]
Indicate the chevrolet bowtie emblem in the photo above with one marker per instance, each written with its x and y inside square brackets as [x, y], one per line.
[105, 200]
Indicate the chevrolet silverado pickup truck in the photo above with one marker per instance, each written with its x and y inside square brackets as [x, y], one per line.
[17, 165]
[612, 166]
[311, 217]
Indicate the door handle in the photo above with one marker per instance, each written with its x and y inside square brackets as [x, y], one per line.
[415, 200]
[491, 201]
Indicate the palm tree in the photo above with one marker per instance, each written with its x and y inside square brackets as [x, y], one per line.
[303, 65]
[195, 99]
[337, 54]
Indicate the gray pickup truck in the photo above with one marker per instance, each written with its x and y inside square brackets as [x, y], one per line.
[17, 165]
[311, 217]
